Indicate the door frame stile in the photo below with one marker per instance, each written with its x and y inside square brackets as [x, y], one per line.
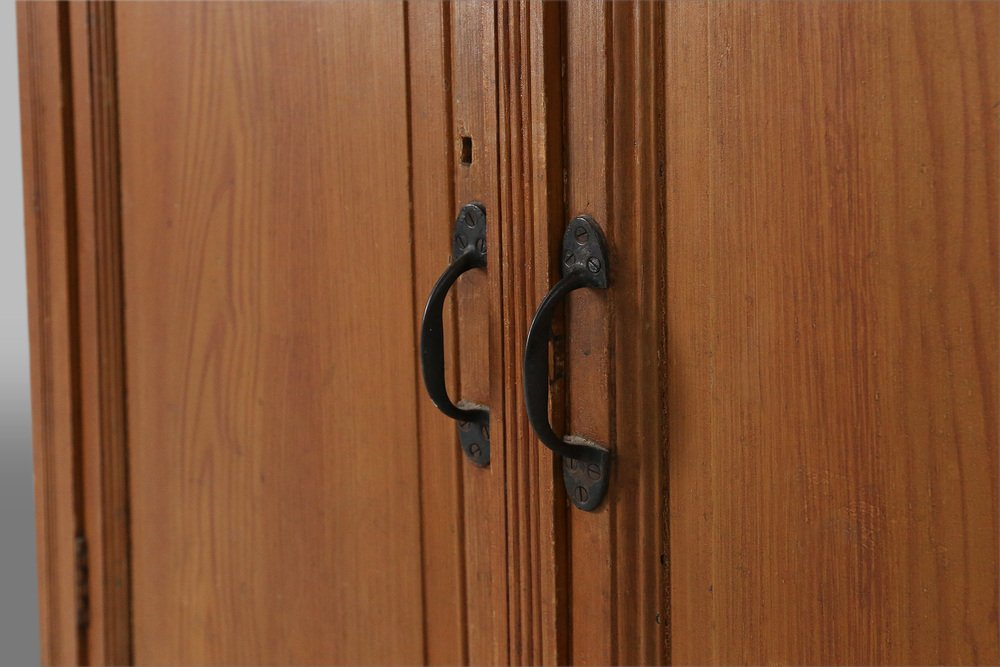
[432, 194]
[479, 313]
[532, 213]
[73, 227]
[641, 551]
[46, 114]
[616, 344]
[103, 415]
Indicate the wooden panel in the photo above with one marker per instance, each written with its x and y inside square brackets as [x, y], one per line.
[637, 236]
[271, 352]
[832, 323]
[441, 459]
[615, 341]
[50, 235]
[101, 333]
[480, 314]
[588, 338]
[531, 202]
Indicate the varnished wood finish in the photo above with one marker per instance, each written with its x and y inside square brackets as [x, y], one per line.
[480, 313]
[83, 38]
[441, 459]
[531, 191]
[101, 342]
[271, 349]
[235, 212]
[615, 373]
[640, 634]
[832, 319]
[588, 137]
[50, 234]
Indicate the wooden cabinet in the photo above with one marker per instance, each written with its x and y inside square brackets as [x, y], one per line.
[236, 212]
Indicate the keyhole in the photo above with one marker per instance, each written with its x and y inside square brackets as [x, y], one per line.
[466, 151]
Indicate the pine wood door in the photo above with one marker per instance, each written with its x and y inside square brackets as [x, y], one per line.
[269, 305]
[796, 362]
[236, 213]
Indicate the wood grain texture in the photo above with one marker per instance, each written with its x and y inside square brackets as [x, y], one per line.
[50, 234]
[832, 331]
[531, 208]
[801, 204]
[637, 237]
[480, 313]
[588, 354]
[91, 37]
[271, 352]
[615, 349]
[441, 460]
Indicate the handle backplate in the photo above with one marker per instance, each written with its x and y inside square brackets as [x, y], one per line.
[586, 464]
[468, 252]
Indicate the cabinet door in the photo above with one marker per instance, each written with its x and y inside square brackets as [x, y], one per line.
[238, 210]
[269, 308]
[796, 362]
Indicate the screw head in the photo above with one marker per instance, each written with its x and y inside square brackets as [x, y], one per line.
[465, 426]
[594, 265]
[593, 471]
[485, 430]
[461, 240]
[469, 220]
[568, 259]
[475, 449]
[581, 494]
[581, 234]
[481, 246]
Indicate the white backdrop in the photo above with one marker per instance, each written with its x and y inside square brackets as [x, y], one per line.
[18, 598]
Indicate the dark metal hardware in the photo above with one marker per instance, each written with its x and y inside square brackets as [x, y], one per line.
[586, 464]
[468, 252]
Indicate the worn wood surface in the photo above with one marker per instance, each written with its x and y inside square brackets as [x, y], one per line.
[50, 234]
[269, 324]
[832, 331]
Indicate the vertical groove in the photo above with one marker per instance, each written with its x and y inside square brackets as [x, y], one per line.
[559, 355]
[414, 302]
[72, 274]
[612, 231]
[509, 437]
[527, 279]
[115, 644]
[664, 655]
[508, 219]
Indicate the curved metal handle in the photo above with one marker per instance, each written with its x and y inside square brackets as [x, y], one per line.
[586, 464]
[468, 252]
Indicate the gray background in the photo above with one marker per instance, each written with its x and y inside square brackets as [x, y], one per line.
[18, 597]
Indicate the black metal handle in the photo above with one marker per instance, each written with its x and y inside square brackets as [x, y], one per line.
[586, 464]
[468, 252]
